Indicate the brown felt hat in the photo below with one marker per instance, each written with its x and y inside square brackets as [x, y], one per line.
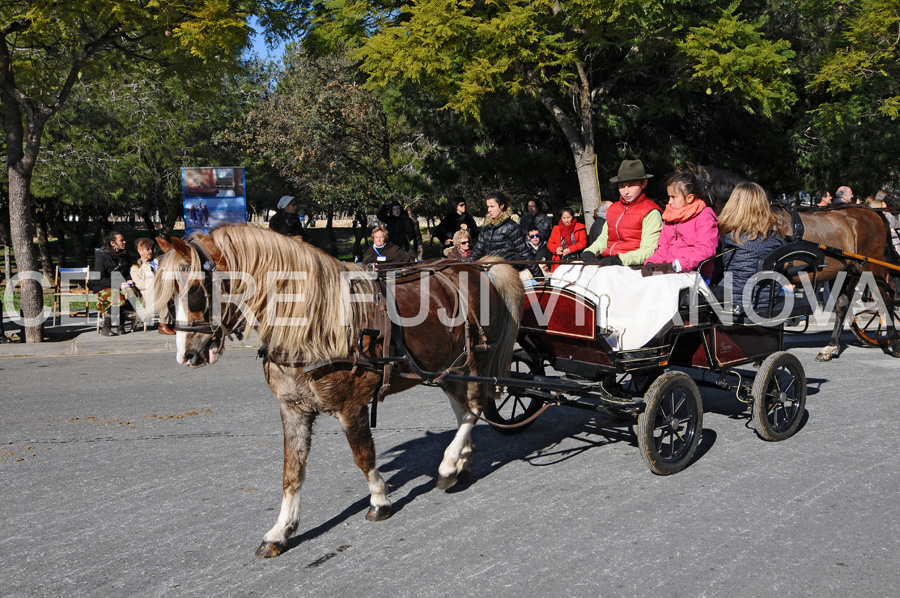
[631, 170]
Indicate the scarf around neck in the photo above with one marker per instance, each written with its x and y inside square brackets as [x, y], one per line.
[684, 213]
[566, 233]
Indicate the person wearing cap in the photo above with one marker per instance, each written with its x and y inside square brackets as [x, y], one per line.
[286, 221]
[633, 224]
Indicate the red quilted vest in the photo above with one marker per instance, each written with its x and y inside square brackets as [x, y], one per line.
[623, 223]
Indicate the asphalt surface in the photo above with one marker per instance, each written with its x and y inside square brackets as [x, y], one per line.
[122, 473]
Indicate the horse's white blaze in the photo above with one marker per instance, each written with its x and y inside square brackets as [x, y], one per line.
[180, 337]
[288, 519]
[378, 489]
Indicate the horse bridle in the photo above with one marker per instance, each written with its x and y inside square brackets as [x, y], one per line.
[217, 330]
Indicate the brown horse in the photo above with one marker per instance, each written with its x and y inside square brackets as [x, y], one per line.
[854, 229]
[326, 328]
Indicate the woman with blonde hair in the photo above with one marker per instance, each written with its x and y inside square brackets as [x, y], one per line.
[462, 246]
[747, 226]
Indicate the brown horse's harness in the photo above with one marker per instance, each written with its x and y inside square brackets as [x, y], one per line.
[393, 351]
[216, 327]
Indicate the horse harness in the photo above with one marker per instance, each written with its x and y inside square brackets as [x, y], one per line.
[217, 329]
[393, 350]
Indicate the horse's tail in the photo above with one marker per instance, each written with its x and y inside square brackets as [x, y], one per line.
[508, 285]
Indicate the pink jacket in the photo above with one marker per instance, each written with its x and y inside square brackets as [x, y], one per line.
[690, 242]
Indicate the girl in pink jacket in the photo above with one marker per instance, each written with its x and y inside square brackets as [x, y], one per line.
[690, 230]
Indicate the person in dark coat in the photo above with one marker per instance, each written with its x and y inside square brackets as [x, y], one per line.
[500, 235]
[383, 253]
[112, 261]
[286, 221]
[458, 219]
[537, 249]
[400, 227]
[747, 228]
[535, 217]
[599, 221]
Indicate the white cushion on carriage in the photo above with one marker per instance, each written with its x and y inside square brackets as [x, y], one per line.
[639, 307]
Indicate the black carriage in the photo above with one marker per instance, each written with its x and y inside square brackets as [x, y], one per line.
[656, 386]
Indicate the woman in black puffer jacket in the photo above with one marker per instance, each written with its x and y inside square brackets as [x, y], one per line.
[501, 236]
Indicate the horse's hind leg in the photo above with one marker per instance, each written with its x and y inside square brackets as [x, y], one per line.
[297, 437]
[355, 423]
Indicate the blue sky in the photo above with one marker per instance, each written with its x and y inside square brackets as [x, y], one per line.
[259, 45]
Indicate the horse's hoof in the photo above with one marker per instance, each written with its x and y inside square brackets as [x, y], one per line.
[445, 482]
[824, 357]
[464, 478]
[268, 550]
[378, 513]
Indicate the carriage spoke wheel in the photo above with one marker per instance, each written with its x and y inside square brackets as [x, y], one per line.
[779, 397]
[669, 429]
[512, 406]
[869, 323]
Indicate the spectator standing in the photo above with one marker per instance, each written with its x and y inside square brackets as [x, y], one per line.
[500, 234]
[399, 226]
[286, 221]
[458, 219]
[534, 217]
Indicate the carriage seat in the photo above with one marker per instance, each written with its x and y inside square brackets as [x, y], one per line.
[790, 261]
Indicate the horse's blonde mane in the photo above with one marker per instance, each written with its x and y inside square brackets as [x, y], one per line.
[323, 322]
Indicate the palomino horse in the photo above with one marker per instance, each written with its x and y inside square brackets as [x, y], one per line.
[324, 325]
[854, 229]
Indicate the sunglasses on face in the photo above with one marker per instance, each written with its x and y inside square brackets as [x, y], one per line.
[463, 242]
[534, 236]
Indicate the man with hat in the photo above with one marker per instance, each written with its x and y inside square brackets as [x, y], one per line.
[286, 221]
[633, 223]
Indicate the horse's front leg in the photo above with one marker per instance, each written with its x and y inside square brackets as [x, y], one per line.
[457, 463]
[297, 425]
[355, 423]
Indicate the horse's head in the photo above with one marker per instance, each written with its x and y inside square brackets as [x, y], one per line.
[187, 279]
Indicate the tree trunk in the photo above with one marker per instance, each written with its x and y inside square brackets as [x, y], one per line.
[580, 136]
[43, 236]
[329, 228]
[21, 229]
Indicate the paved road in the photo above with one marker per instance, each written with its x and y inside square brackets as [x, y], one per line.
[127, 475]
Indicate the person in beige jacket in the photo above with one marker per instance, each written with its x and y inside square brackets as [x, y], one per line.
[142, 274]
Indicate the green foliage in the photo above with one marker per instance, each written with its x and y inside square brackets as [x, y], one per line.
[734, 54]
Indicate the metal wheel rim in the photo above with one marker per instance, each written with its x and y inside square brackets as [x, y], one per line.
[782, 406]
[674, 426]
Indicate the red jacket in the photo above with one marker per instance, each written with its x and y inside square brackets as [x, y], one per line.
[576, 242]
[623, 222]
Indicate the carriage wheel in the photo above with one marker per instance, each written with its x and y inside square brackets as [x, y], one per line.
[512, 406]
[869, 323]
[668, 430]
[779, 397]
